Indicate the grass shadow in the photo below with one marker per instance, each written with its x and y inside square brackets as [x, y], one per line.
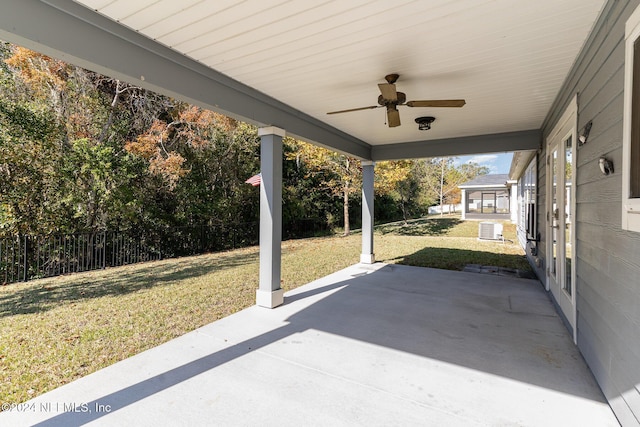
[457, 259]
[26, 298]
[420, 227]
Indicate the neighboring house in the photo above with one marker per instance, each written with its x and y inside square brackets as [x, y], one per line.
[489, 197]
[584, 242]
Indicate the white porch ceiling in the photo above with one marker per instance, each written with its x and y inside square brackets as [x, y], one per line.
[507, 58]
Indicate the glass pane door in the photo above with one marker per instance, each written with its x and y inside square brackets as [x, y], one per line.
[489, 202]
[559, 229]
[568, 181]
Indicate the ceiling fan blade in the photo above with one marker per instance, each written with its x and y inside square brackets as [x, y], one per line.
[393, 116]
[371, 107]
[388, 91]
[437, 103]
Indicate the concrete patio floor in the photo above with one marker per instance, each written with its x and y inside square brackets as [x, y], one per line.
[369, 345]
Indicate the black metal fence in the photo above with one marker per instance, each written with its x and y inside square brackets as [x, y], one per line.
[26, 257]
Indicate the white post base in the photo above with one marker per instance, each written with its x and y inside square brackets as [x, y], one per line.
[367, 258]
[270, 299]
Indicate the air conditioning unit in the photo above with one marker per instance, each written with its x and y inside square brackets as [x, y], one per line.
[490, 231]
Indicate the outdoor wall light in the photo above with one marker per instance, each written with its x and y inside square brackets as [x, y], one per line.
[424, 123]
[606, 166]
[583, 135]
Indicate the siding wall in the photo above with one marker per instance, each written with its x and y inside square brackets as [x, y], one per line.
[533, 250]
[608, 258]
[540, 263]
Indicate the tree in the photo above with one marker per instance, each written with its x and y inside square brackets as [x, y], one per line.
[29, 152]
[441, 178]
[203, 157]
[82, 151]
[82, 178]
[395, 178]
[338, 173]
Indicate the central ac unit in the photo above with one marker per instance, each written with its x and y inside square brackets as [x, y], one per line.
[490, 231]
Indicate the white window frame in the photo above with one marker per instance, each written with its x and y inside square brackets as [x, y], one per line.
[531, 197]
[630, 206]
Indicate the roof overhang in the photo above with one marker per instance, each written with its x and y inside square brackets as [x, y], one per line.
[483, 187]
[520, 162]
[494, 143]
[104, 46]
[236, 59]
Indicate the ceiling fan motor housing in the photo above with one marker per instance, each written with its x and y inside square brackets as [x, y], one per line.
[402, 98]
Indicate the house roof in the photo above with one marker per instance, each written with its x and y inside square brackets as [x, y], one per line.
[491, 180]
[519, 163]
[287, 63]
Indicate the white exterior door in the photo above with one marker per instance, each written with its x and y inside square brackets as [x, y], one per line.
[560, 210]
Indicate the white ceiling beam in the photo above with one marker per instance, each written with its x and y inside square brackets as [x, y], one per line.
[494, 143]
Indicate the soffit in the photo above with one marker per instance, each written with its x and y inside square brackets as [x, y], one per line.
[507, 58]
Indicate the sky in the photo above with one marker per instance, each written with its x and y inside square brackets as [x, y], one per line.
[497, 162]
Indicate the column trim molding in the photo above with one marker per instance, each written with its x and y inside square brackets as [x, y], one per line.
[272, 130]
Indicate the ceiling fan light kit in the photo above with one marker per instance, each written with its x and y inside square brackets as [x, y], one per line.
[424, 123]
[390, 98]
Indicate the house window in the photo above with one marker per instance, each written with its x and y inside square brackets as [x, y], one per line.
[502, 202]
[474, 202]
[631, 127]
[488, 202]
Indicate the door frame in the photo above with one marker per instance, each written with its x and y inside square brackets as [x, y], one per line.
[566, 126]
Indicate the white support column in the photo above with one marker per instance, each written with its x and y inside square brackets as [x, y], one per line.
[514, 201]
[367, 255]
[463, 199]
[269, 293]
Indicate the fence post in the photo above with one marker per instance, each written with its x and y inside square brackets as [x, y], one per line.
[26, 259]
[234, 231]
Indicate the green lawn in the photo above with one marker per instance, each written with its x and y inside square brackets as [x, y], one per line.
[55, 330]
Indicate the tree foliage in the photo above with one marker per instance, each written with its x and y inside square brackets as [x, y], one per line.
[82, 151]
[337, 173]
[441, 178]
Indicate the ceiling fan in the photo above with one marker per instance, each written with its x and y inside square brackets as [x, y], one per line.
[391, 98]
